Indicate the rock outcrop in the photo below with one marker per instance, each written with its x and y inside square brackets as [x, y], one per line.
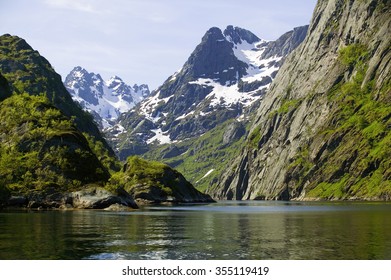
[154, 182]
[91, 197]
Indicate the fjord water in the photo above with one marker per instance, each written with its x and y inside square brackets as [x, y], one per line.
[224, 230]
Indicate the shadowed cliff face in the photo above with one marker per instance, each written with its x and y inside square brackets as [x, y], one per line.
[4, 88]
[323, 129]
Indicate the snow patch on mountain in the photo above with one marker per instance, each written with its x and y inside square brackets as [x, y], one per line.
[206, 175]
[251, 55]
[148, 107]
[226, 95]
[160, 136]
[258, 69]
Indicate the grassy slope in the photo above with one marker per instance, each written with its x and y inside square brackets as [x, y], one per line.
[202, 155]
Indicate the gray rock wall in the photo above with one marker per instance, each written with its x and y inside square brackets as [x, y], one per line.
[297, 104]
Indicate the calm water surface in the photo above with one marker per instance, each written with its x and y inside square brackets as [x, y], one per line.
[224, 230]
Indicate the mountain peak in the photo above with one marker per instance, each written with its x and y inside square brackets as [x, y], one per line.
[237, 35]
[78, 72]
[214, 58]
[114, 81]
[214, 31]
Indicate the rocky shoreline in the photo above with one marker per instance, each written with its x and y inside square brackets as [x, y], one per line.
[91, 198]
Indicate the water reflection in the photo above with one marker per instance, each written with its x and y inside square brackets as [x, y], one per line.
[231, 230]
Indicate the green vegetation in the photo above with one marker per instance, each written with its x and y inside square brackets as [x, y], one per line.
[109, 161]
[353, 54]
[140, 171]
[41, 150]
[254, 137]
[28, 72]
[288, 104]
[153, 182]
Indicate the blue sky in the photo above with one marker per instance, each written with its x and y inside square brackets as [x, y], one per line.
[141, 41]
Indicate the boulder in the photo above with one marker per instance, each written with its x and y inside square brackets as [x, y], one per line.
[233, 132]
[100, 198]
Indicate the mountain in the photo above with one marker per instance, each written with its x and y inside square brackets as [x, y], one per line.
[223, 79]
[47, 143]
[105, 100]
[51, 152]
[27, 71]
[323, 129]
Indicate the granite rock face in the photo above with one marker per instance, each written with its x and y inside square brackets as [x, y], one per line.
[286, 43]
[91, 197]
[100, 198]
[319, 132]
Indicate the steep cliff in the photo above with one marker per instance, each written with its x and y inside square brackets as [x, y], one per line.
[323, 131]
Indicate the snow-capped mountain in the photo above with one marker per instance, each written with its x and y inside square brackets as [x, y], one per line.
[224, 77]
[105, 100]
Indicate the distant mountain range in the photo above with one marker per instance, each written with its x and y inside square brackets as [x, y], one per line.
[105, 100]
